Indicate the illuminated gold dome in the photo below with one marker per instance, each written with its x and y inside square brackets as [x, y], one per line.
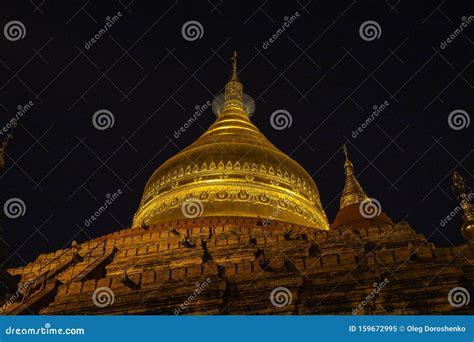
[231, 170]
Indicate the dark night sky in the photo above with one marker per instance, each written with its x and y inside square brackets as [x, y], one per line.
[151, 78]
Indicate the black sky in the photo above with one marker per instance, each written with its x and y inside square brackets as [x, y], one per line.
[151, 78]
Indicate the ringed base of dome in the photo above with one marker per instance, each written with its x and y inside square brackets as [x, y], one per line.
[221, 203]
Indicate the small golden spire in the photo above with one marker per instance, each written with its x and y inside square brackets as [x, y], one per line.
[3, 146]
[348, 167]
[464, 195]
[353, 192]
[235, 74]
[234, 92]
[344, 148]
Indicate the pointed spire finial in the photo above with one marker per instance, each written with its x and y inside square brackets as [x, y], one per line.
[348, 167]
[353, 192]
[234, 94]
[346, 152]
[3, 146]
[464, 195]
[235, 73]
[460, 187]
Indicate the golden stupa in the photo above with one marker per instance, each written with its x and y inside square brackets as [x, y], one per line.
[353, 192]
[231, 170]
[464, 195]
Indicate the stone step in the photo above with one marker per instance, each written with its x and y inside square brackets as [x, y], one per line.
[34, 302]
[99, 262]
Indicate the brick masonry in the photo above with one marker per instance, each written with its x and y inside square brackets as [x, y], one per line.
[231, 265]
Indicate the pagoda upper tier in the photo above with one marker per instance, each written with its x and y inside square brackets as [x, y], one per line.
[232, 170]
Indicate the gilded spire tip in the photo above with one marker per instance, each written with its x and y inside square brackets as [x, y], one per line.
[235, 73]
[352, 192]
[464, 195]
[234, 95]
[347, 164]
[344, 148]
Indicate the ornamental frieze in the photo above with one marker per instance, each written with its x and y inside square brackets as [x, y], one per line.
[278, 204]
[159, 187]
